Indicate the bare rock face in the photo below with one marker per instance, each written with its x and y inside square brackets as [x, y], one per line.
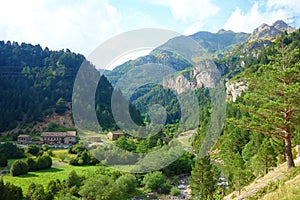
[235, 89]
[266, 32]
[205, 74]
[178, 83]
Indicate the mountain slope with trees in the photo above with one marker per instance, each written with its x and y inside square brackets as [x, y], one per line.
[262, 126]
[36, 82]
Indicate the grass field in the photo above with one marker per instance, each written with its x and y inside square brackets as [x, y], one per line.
[44, 176]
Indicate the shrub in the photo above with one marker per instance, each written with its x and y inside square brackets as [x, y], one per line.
[84, 158]
[155, 181]
[11, 151]
[10, 191]
[31, 164]
[76, 149]
[19, 167]
[74, 161]
[36, 191]
[33, 149]
[165, 188]
[73, 179]
[126, 183]
[175, 191]
[43, 162]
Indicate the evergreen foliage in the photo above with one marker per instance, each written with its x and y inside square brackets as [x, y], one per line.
[272, 102]
[19, 167]
[156, 182]
[203, 179]
[9, 191]
[36, 82]
[11, 151]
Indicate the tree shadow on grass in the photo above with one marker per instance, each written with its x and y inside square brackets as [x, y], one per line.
[49, 170]
[30, 175]
[36, 173]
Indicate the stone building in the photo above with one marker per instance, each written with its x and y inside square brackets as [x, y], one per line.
[24, 139]
[58, 138]
[113, 135]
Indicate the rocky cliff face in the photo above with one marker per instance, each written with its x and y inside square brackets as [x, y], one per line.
[205, 74]
[265, 34]
[235, 89]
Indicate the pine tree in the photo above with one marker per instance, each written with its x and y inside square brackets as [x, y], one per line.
[203, 179]
[266, 156]
[274, 96]
[239, 173]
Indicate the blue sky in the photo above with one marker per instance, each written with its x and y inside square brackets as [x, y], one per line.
[81, 25]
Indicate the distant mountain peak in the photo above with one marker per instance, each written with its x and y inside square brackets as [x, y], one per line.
[267, 32]
[222, 31]
[281, 25]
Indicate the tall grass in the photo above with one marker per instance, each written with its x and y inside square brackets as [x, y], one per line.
[289, 191]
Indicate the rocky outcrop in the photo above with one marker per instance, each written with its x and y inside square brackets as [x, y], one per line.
[235, 89]
[205, 74]
[266, 32]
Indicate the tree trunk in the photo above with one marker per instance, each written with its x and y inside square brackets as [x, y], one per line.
[288, 153]
[267, 166]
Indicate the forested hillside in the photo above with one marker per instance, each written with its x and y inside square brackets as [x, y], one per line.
[36, 82]
[262, 126]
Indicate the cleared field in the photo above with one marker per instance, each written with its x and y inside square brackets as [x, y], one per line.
[44, 176]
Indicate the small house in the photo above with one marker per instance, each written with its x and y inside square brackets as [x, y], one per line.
[24, 139]
[113, 135]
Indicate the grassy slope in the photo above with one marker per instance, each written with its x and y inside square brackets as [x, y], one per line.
[277, 174]
[289, 191]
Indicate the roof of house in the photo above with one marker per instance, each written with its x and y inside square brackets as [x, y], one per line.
[24, 136]
[59, 134]
[116, 132]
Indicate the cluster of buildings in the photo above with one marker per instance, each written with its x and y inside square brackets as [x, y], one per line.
[50, 138]
[61, 138]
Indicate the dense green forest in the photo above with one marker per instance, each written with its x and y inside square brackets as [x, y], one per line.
[36, 82]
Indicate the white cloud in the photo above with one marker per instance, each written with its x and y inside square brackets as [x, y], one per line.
[193, 28]
[247, 22]
[292, 4]
[189, 10]
[77, 25]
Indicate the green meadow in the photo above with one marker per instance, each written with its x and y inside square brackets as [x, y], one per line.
[45, 176]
